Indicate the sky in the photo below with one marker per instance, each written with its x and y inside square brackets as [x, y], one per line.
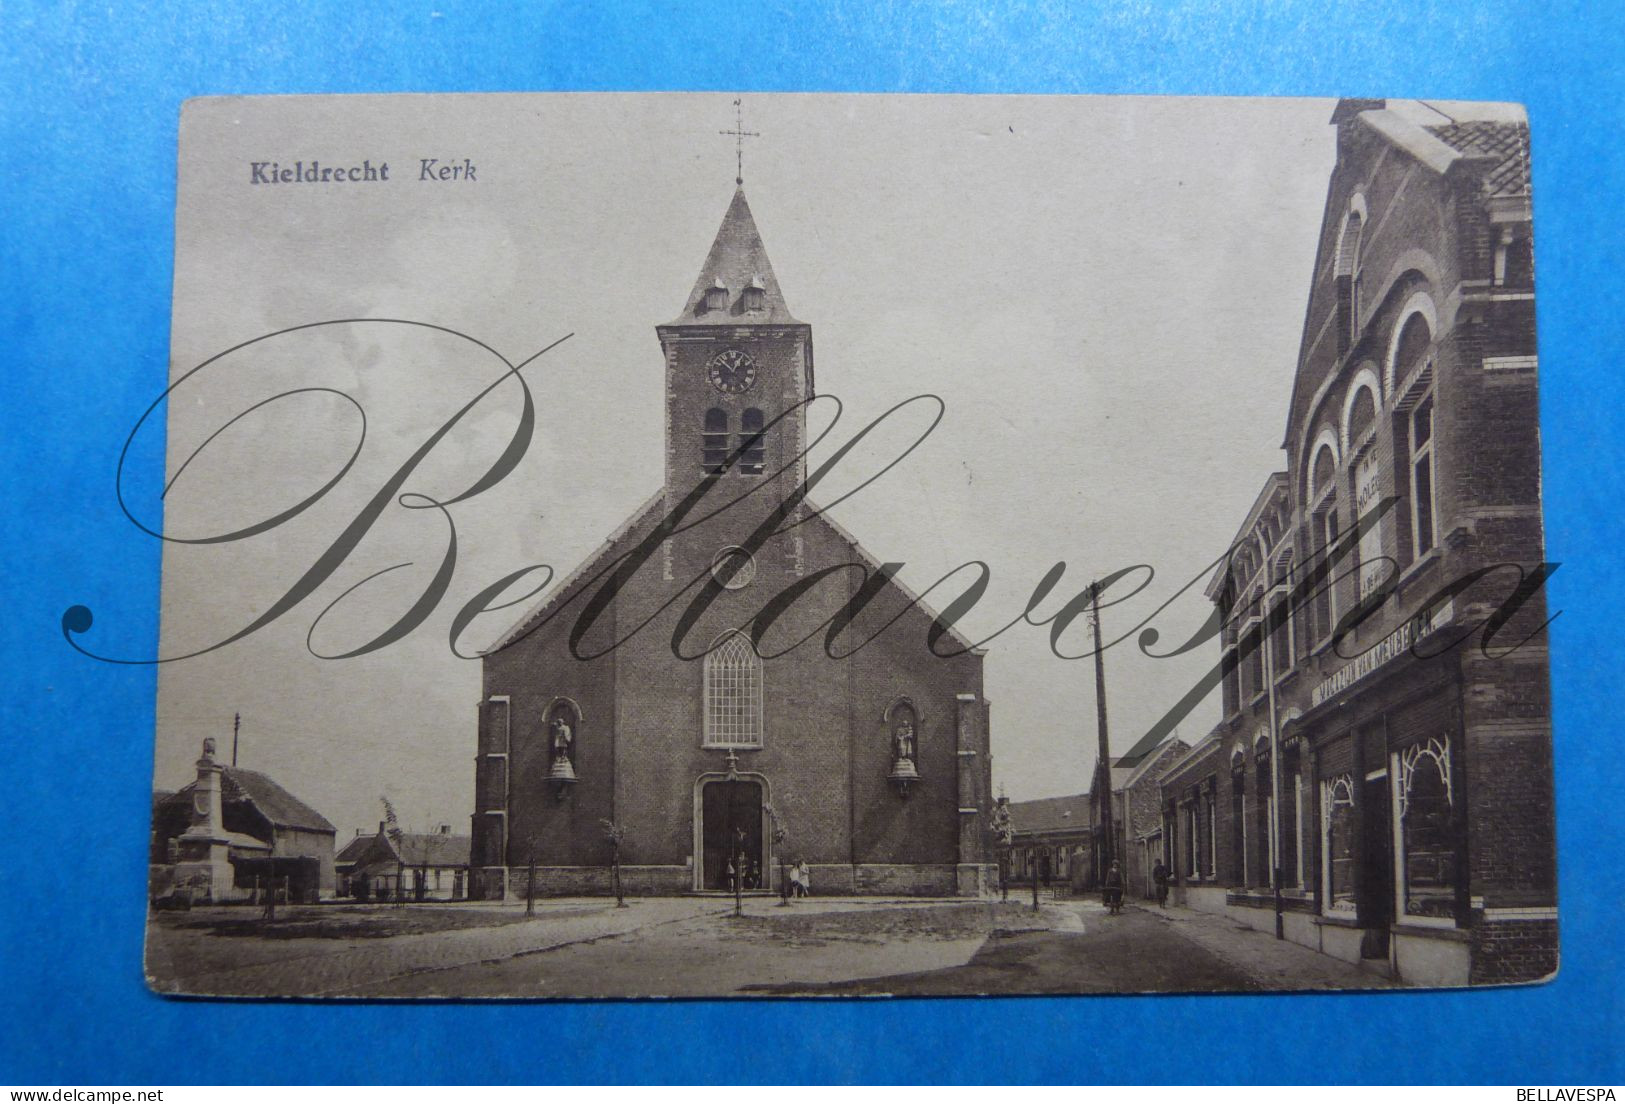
[1106, 292]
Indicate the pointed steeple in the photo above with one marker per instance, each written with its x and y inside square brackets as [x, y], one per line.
[736, 286]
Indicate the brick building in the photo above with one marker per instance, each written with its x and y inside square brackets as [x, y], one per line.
[659, 688]
[1054, 839]
[1376, 641]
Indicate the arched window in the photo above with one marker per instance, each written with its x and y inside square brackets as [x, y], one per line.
[733, 694]
[1324, 469]
[1348, 281]
[1414, 339]
[1362, 415]
[714, 441]
[1323, 538]
[752, 442]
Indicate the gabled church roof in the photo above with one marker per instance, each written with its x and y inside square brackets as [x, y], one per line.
[737, 261]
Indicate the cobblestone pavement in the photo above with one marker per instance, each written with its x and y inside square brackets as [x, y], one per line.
[339, 967]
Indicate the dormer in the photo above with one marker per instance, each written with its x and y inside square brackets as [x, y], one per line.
[715, 298]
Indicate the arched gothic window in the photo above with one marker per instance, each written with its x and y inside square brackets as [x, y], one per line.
[733, 694]
[752, 442]
[714, 441]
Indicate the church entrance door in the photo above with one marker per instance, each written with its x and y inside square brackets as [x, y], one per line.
[731, 829]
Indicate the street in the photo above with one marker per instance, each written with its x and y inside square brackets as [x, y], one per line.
[696, 947]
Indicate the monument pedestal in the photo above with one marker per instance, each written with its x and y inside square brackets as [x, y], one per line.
[204, 866]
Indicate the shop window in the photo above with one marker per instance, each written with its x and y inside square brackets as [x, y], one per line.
[1338, 843]
[1238, 825]
[1428, 867]
[1300, 845]
[1264, 811]
[752, 442]
[714, 442]
[1192, 848]
[1212, 848]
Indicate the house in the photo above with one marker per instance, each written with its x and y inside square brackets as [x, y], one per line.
[416, 865]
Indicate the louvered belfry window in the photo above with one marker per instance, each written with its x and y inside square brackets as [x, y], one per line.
[733, 694]
[714, 442]
[752, 442]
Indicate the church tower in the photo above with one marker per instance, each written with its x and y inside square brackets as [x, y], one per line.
[739, 371]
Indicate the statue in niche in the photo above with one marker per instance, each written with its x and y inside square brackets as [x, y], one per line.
[903, 737]
[563, 735]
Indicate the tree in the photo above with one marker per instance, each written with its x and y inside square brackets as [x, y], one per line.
[616, 834]
[392, 829]
[1004, 833]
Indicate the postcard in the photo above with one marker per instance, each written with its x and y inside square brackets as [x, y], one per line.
[1144, 594]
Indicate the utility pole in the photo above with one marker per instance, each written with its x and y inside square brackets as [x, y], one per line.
[1109, 850]
[236, 726]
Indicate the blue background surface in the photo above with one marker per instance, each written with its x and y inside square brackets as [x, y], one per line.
[89, 103]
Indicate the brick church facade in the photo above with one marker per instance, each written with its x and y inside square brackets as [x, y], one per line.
[661, 687]
[1410, 813]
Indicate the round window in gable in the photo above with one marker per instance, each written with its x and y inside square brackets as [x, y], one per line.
[734, 568]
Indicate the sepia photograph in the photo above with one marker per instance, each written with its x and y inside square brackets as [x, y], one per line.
[1145, 594]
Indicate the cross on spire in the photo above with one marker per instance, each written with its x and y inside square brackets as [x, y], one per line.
[739, 134]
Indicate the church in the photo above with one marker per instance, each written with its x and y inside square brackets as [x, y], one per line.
[731, 682]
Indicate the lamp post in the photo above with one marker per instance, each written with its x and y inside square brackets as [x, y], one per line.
[780, 837]
[1038, 853]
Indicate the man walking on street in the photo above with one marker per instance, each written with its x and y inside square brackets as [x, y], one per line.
[1159, 875]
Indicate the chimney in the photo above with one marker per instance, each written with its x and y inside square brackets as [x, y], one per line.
[381, 827]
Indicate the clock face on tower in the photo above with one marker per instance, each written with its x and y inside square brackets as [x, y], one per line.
[731, 371]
